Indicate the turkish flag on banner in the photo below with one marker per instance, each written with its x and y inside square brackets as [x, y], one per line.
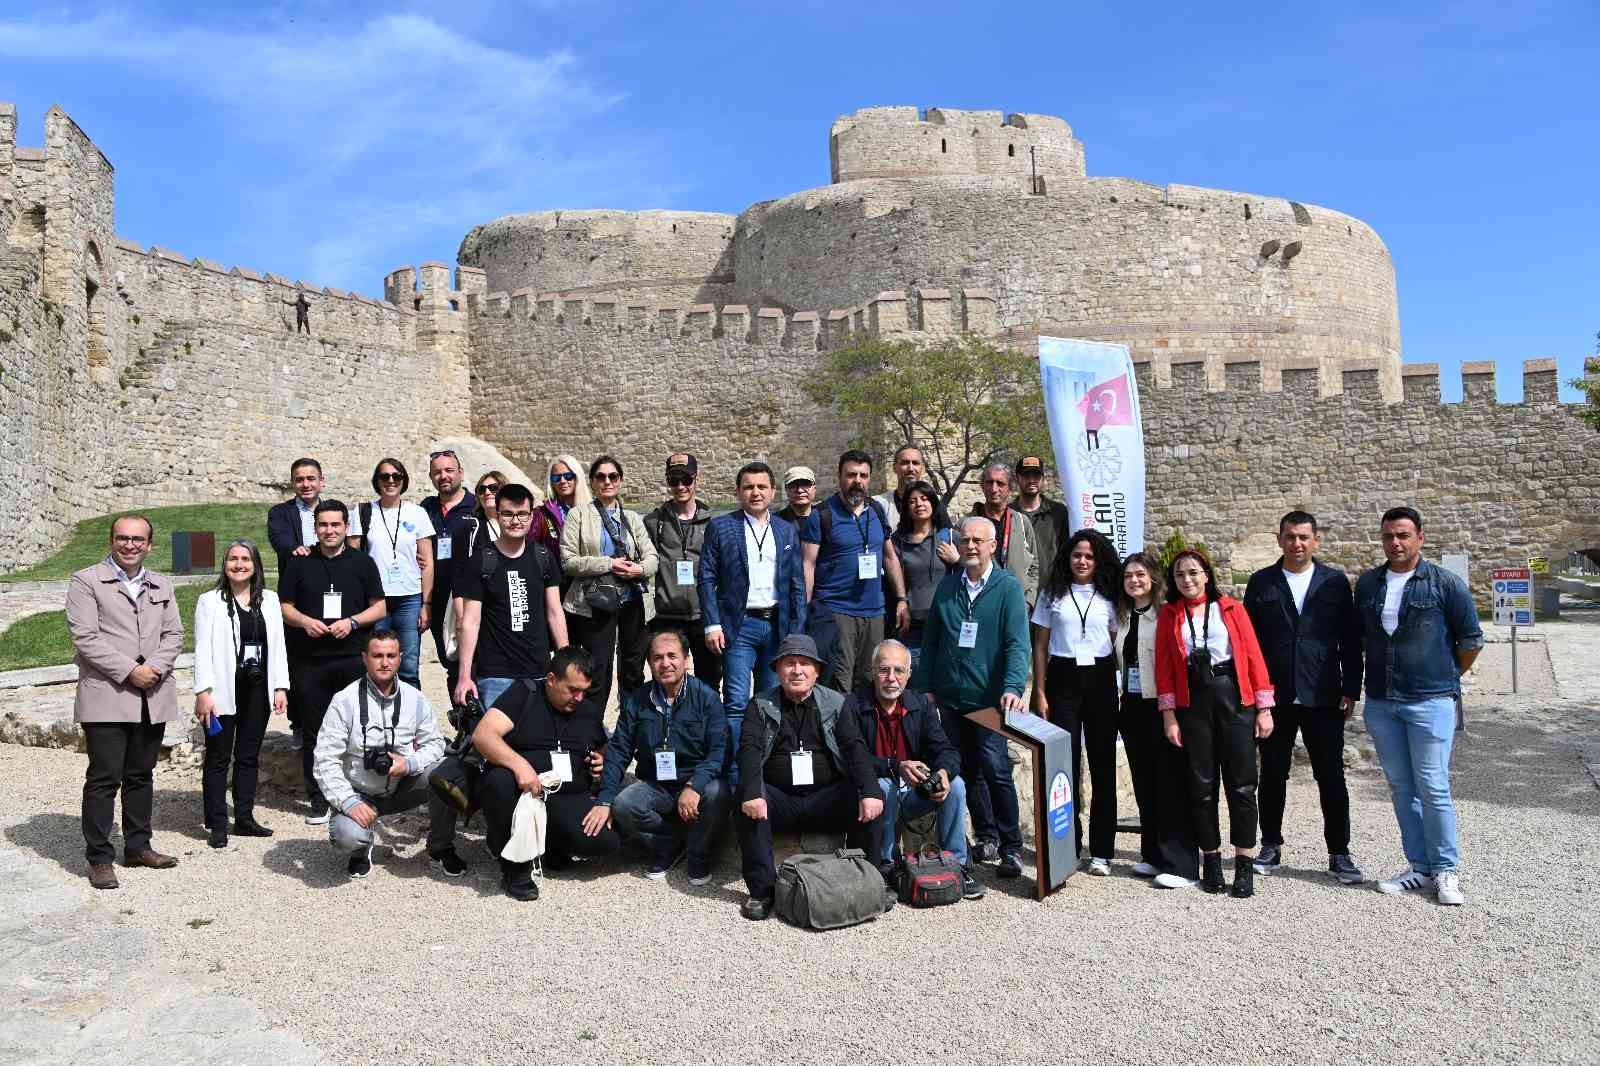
[1106, 404]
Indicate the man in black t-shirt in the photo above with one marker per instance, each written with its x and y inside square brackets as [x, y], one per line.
[328, 597]
[511, 617]
[538, 728]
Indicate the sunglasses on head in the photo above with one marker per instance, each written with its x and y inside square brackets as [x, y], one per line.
[608, 476]
[390, 476]
[438, 455]
[556, 479]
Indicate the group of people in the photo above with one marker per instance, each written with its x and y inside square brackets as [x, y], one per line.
[811, 668]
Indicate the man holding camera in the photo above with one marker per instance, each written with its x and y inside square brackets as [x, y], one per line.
[378, 743]
[918, 768]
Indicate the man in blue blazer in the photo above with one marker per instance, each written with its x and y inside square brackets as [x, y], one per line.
[291, 525]
[1305, 620]
[752, 593]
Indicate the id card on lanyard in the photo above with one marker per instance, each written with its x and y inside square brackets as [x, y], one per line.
[800, 768]
[561, 763]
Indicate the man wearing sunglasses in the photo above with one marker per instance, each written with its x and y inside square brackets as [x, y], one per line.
[450, 511]
[678, 530]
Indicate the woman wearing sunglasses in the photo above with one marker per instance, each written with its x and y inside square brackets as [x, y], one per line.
[485, 521]
[608, 554]
[567, 491]
[399, 537]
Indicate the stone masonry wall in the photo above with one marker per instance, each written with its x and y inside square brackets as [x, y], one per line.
[895, 142]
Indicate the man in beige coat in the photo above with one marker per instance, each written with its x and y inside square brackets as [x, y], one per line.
[128, 634]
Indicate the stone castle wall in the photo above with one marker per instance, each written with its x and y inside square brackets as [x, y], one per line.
[899, 142]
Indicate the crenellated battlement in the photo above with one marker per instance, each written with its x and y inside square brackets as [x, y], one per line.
[903, 142]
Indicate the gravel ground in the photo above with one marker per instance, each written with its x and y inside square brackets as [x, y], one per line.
[610, 967]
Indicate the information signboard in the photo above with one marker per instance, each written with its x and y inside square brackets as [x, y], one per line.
[1511, 588]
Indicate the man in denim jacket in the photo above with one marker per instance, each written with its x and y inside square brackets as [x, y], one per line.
[1421, 634]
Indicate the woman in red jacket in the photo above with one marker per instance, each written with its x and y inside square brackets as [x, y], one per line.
[1215, 699]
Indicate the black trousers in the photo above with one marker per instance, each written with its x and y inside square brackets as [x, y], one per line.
[237, 742]
[1219, 733]
[1140, 726]
[707, 663]
[122, 755]
[621, 633]
[1176, 850]
[832, 808]
[564, 810]
[1323, 728]
[1083, 701]
[318, 681]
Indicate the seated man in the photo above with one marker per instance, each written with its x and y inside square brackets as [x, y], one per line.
[918, 768]
[673, 730]
[378, 743]
[535, 728]
[802, 765]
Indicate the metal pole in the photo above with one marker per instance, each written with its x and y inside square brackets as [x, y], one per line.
[1513, 660]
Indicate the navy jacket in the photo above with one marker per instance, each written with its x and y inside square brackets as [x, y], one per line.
[1313, 655]
[724, 575]
[699, 738]
[1438, 620]
[925, 736]
[283, 530]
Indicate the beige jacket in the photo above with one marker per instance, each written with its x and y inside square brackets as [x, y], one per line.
[581, 557]
[110, 632]
[1147, 647]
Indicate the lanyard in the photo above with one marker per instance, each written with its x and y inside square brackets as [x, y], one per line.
[615, 529]
[677, 525]
[1083, 612]
[394, 538]
[760, 538]
[863, 523]
[969, 599]
[1205, 638]
[667, 708]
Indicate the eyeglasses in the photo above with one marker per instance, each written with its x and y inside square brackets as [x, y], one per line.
[556, 479]
[514, 518]
[608, 477]
[678, 481]
[125, 538]
[488, 490]
[391, 477]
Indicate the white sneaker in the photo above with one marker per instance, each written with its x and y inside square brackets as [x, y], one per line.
[1407, 880]
[1449, 885]
[1173, 881]
[1099, 867]
[698, 881]
[1143, 869]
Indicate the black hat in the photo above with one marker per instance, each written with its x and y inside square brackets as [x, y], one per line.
[682, 463]
[1030, 464]
[798, 644]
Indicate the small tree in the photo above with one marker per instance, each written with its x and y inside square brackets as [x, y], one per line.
[1177, 543]
[1590, 387]
[966, 404]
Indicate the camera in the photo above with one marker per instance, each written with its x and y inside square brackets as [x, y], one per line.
[250, 665]
[378, 760]
[466, 716]
[928, 787]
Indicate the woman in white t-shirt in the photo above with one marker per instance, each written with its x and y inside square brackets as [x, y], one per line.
[1075, 677]
[399, 537]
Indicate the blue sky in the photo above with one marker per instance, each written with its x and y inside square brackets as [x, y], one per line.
[334, 142]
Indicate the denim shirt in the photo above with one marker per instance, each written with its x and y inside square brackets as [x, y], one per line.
[1438, 620]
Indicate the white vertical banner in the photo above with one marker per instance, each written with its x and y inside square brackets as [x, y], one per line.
[1092, 401]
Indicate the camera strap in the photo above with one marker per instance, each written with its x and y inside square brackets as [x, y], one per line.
[361, 701]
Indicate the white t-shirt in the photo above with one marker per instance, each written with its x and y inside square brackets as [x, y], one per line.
[393, 544]
[761, 553]
[1081, 619]
[1299, 585]
[1394, 590]
[1216, 636]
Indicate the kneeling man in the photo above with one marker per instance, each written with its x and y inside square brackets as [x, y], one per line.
[378, 743]
[536, 728]
[918, 768]
[674, 730]
[802, 765]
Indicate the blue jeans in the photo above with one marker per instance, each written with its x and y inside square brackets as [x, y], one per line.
[751, 651]
[900, 798]
[491, 688]
[404, 611]
[650, 812]
[1414, 739]
[991, 790]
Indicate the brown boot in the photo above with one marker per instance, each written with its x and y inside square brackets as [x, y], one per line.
[102, 875]
[151, 858]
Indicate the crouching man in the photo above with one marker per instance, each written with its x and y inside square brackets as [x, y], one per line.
[541, 727]
[674, 730]
[918, 768]
[802, 765]
[377, 745]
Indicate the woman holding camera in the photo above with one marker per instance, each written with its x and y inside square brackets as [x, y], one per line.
[928, 552]
[239, 659]
[399, 537]
[610, 558]
[1075, 677]
[1216, 700]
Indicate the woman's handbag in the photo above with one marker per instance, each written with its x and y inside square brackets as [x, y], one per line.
[602, 594]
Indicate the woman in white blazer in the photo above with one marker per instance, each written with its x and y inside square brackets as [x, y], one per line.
[239, 659]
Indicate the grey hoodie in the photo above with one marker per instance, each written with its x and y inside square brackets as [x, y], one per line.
[338, 761]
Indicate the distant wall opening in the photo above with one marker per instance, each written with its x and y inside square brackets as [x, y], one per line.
[94, 309]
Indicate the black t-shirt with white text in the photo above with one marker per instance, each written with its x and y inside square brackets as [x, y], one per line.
[513, 633]
[352, 575]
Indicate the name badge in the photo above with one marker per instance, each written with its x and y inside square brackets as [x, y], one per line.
[666, 766]
[969, 635]
[561, 763]
[441, 549]
[1082, 656]
[396, 571]
[1133, 681]
[800, 768]
[332, 606]
[685, 571]
[866, 566]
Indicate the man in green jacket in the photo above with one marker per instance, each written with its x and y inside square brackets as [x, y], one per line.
[975, 655]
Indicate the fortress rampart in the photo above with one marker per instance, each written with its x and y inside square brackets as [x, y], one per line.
[901, 142]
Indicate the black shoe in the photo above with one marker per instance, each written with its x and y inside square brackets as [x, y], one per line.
[970, 886]
[1244, 877]
[219, 838]
[360, 863]
[1010, 866]
[1267, 858]
[522, 888]
[448, 861]
[1211, 873]
[249, 827]
[891, 874]
[985, 851]
[757, 908]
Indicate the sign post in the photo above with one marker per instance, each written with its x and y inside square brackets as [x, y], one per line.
[1512, 590]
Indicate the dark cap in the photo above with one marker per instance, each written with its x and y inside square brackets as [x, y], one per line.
[798, 644]
[682, 463]
[1030, 464]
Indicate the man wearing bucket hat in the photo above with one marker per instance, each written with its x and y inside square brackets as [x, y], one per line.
[803, 765]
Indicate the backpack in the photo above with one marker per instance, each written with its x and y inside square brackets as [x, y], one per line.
[830, 891]
[930, 879]
[490, 562]
[825, 519]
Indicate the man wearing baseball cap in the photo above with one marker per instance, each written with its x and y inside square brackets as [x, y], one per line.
[803, 765]
[1049, 517]
[678, 530]
[800, 485]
